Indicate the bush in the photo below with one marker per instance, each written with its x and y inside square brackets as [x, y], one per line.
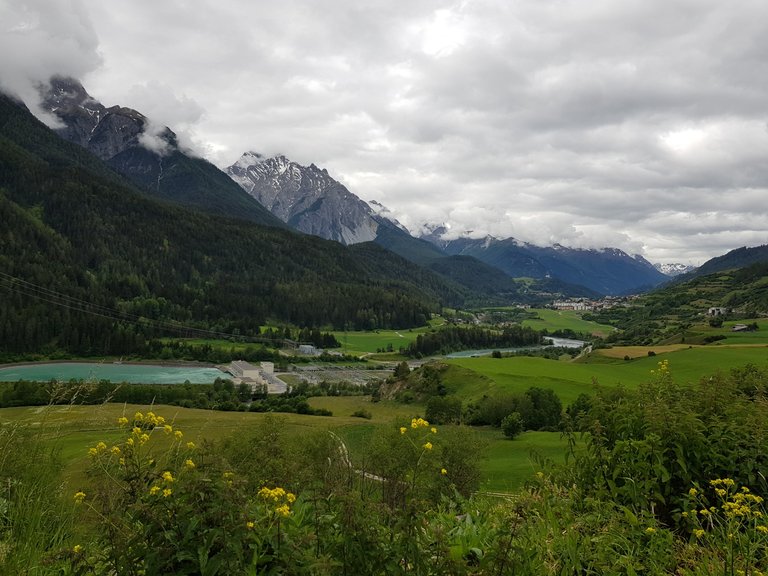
[512, 425]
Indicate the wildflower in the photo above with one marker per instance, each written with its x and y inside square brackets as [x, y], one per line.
[92, 452]
[698, 533]
[419, 423]
[191, 445]
[121, 461]
[684, 514]
[167, 476]
[154, 490]
[249, 525]
[115, 450]
[433, 430]
[151, 418]
[650, 530]
[720, 491]
[138, 417]
[160, 420]
[122, 421]
[403, 429]
[443, 471]
[763, 529]
[136, 431]
[189, 464]
[283, 510]
[692, 492]
[77, 549]
[178, 434]
[290, 497]
[79, 497]
[143, 439]
[428, 446]
[167, 492]
[230, 475]
[167, 428]
[129, 442]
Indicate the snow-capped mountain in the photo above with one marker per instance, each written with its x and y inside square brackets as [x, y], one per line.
[607, 271]
[674, 269]
[147, 155]
[309, 200]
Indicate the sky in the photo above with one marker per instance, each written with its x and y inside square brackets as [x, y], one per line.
[637, 124]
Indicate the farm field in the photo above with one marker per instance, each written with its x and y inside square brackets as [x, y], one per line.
[565, 320]
[569, 379]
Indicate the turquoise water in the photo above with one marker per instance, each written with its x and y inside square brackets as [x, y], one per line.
[131, 373]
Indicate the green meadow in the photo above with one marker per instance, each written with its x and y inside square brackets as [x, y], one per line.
[552, 320]
[479, 376]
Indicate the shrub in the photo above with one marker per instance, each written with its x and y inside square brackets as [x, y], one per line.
[512, 425]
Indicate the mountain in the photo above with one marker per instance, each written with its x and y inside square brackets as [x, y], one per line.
[607, 271]
[674, 269]
[91, 265]
[152, 159]
[738, 258]
[308, 199]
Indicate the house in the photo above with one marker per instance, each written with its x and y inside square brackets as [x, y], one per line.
[717, 311]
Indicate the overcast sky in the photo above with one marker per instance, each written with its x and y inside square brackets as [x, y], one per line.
[641, 124]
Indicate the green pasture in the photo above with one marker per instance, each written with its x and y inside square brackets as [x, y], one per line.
[510, 463]
[759, 336]
[552, 320]
[362, 342]
[478, 376]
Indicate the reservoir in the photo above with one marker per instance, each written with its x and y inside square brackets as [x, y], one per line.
[130, 373]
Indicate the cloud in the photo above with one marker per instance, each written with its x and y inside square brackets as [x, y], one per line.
[38, 39]
[640, 124]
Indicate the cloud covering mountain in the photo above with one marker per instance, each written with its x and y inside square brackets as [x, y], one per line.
[640, 125]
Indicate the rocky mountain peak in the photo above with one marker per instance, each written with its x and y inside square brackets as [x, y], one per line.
[308, 198]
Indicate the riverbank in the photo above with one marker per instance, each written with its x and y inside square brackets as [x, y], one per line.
[160, 363]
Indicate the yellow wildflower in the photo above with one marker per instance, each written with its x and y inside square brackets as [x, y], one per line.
[160, 420]
[283, 510]
[191, 445]
[428, 446]
[101, 446]
[178, 434]
[249, 525]
[129, 442]
[121, 461]
[720, 491]
[290, 497]
[650, 530]
[189, 464]
[167, 476]
[698, 533]
[136, 431]
[115, 450]
[230, 475]
[138, 417]
[403, 429]
[692, 492]
[154, 490]
[151, 418]
[79, 497]
[77, 549]
[92, 452]
[144, 438]
[167, 492]
[122, 421]
[433, 430]
[763, 529]
[443, 471]
[167, 428]
[419, 423]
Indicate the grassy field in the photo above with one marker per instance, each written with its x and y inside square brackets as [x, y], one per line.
[480, 376]
[511, 462]
[367, 342]
[71, 430]
[565, 320]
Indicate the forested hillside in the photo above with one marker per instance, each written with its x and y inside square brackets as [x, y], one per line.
[92, 266]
